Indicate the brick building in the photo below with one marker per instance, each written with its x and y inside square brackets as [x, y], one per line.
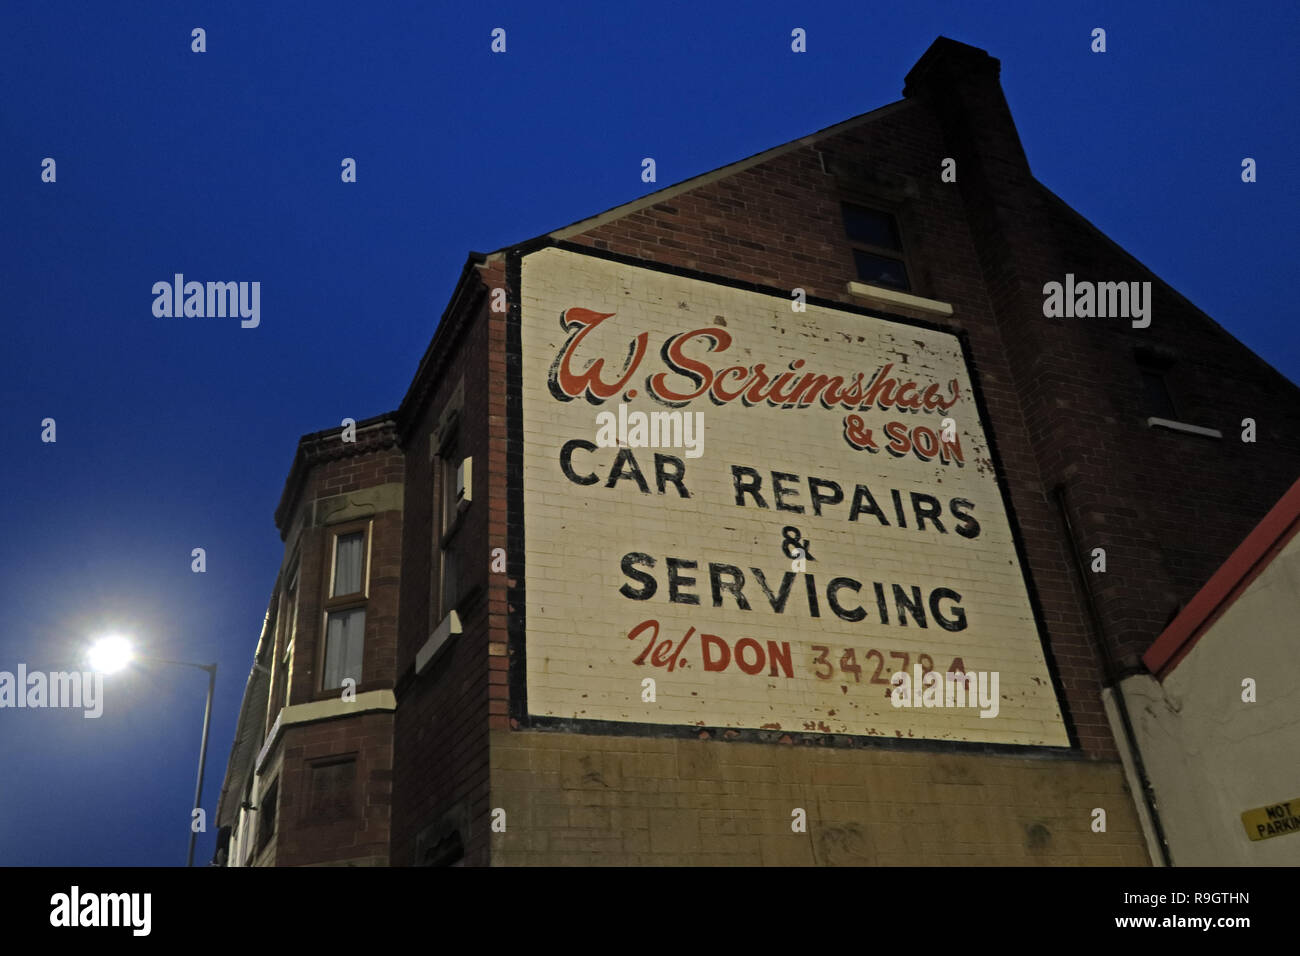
[577, 639]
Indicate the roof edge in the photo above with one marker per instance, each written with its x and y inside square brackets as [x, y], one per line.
[245, 723]
[436, 353]
[375, 433]
[1227, 584]
[1116, 247]
[720, 172]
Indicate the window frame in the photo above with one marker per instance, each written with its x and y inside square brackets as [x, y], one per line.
[900, 255]
[344, 530]
[246, 847]
[287, 630]
[356, 600]
[266, 830]
[309, 817]
[1151, 364]
[448, 516]
[1149, 373]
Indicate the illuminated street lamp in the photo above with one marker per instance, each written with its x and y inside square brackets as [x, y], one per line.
[110, 654]
[113, 653]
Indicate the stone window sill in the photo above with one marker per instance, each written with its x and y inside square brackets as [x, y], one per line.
[1183, 427]
[442, 634]
[885, 298]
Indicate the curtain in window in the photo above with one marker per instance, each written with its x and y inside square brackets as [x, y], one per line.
[343, 645]
[347, 565]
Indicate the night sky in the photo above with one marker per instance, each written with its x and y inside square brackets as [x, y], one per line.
[177, 433]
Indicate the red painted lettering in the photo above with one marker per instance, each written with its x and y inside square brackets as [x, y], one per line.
[711, 663]
[925, 442]
[661, 653]
[741, 646]
[565, 384]
[780, 654]
[857, 435]
[914, 402]
[878, 384]
[952, 448]
[899, 443]
[679, 362]
[633, 634]
[725, 396]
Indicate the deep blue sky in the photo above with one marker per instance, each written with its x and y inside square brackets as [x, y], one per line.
[178, 433]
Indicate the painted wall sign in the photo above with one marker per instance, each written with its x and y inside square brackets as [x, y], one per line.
[1264, 823]
[788, 520]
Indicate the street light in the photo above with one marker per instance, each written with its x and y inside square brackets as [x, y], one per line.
[113, 653]
[110, 654]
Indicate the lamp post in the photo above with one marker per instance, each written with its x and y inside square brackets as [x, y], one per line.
[113, 653]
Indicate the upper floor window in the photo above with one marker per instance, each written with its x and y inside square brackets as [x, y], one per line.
[1159, 401]
[345, 607]
[349, 557]
[266, 809]
[288, 630]
[877, 246]
[453, 480]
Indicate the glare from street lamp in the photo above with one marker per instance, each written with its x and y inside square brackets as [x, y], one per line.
[110, 654]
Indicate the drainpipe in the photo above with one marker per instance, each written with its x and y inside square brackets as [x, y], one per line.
[1113, 695]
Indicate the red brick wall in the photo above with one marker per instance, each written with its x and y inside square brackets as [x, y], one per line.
[327, 479]
[333, 468]
[1063, 399]
[302, 838]
[1063, 396]
[442, 720]
[1168, 508]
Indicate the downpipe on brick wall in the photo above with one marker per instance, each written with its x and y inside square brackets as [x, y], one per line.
[1112, 678]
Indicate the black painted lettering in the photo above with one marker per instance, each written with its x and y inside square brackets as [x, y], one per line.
[676, 476]
[625, 466]
[677, 581]
[747, 482]
[781, 493]
[733, 586]
[648, 584]
[566, 461]
[970, 528]
[815, 486]
[833, 588]
[863, 503]
[931, 511]
[916, 606]
[777, 601]
[958, 620]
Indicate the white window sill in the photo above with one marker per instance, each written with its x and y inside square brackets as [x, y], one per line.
[450, 625]
[316, 710]
[1183, 427]
[880, 296]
